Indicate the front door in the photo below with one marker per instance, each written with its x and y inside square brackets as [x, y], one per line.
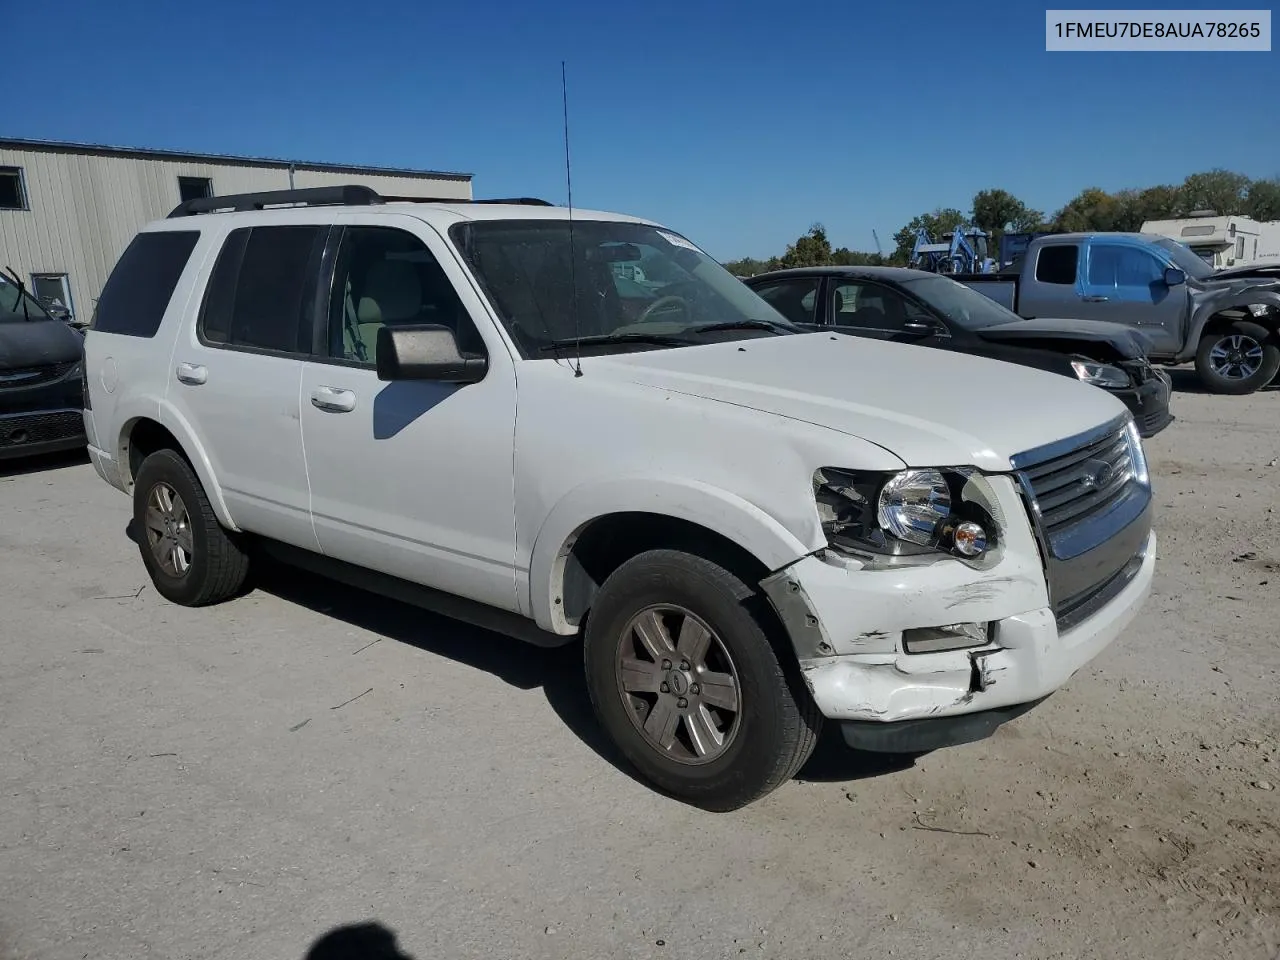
[1125, 284]
[234, 376]
[411, 478]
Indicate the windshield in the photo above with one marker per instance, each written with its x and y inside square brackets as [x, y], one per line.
[634, 283]
[959, 304]
[12, 303]
[1184, 258]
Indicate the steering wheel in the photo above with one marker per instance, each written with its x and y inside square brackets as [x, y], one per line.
[667, 301]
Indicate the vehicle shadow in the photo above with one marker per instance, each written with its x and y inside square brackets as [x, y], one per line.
[1186, 380]
[43, 463]
[557, 672]
[358, 941]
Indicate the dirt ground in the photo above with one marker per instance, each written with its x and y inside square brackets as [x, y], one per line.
[238, 781]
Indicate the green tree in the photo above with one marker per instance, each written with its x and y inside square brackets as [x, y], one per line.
[1263, 199]
[1160, 203]
[1219, 190]
[995, 210]
[811, 250]
[1092, 210]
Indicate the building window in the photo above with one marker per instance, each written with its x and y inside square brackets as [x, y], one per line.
[13, 194]
[194, 188]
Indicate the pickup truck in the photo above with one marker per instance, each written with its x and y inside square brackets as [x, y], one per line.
[1227, 322]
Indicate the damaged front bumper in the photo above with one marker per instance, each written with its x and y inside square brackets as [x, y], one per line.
[847, 623]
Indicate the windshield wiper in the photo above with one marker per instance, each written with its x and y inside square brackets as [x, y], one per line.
[607, 339]
[22, 293]
[742, 325]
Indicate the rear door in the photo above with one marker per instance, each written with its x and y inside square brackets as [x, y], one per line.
[236, 372]
[1049, 283]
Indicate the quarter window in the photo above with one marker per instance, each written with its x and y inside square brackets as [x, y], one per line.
[137, 293]
[1057, 263]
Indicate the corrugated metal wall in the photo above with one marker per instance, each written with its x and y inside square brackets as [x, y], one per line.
[84, 208]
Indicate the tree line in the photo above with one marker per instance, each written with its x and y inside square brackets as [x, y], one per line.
[998, 211]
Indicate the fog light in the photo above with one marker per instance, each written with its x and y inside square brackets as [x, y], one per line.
[970, 539]
[952, 636]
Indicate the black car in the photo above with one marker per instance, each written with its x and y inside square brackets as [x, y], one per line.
[40, 377]
[913, 306]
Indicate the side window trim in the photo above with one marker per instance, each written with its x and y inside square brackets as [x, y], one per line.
[308, 316]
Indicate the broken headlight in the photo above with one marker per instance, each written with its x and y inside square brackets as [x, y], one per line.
[912, 513]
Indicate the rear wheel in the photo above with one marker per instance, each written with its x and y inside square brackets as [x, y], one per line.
[686, 681]
[1239, 358]
[192, 560]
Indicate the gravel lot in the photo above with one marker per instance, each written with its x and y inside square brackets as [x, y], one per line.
[243, 780]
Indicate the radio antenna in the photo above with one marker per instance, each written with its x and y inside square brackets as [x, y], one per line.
[568, 180]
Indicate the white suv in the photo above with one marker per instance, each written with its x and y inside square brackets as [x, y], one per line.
[566, 425]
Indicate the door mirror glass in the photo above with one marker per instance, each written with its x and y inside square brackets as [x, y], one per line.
[1173, 276]
[426, 352]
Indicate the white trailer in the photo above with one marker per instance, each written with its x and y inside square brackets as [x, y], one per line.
[1222, 241]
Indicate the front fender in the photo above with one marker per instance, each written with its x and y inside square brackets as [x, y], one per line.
[727, 514]
[1239, 300]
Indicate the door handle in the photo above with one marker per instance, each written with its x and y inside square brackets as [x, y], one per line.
[1095, 299]
[192, 373]
[333, 399]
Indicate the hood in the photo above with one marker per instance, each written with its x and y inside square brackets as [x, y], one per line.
[928, 407]
[1266, 270]
[38, 343]
[1238, 280]
[1128, 342]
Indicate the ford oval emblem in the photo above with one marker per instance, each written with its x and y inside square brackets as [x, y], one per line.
[1097, 473]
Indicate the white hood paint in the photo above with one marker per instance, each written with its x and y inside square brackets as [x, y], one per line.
[952, 409]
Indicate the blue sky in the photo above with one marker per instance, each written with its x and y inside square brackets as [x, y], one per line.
[738, 124]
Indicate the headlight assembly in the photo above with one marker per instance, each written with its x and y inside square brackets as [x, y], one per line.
[914, 513]
[1100, 374]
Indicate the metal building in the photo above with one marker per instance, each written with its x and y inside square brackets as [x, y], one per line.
[67, 210]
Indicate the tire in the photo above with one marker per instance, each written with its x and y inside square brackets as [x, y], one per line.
[217, 564]
[747, 752]
[1239, 358]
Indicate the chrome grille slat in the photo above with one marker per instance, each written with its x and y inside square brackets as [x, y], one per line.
[32, 376]
[1063, 475]
[1073, 507]
[1059, 484]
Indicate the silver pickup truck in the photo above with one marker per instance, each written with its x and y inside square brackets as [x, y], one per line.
[1226, 321]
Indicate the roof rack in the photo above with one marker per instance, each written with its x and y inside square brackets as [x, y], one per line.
[351, 195]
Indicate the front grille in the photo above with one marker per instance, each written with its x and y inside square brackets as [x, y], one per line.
[40, 428]
[1072, 487]
[32, 376]
[1090, 504]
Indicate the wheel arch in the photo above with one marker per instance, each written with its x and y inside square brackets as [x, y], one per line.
[593, 530]
[142, 435]
[1216, 314]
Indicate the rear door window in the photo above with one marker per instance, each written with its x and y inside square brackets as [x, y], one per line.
[138, 291]
[796, 298]
[261, 293]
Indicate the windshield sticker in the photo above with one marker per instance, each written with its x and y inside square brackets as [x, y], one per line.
[677, 241]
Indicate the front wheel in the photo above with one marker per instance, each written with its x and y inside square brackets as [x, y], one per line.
[1237, 359]
[685, 680]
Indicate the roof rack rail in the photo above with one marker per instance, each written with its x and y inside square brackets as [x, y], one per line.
[350, 195]
[515, 201]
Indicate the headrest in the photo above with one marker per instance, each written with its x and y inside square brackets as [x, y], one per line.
[391, 293]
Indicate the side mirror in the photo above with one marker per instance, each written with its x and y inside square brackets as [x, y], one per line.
[1173, 276]
[919, 328]
[426, 352]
